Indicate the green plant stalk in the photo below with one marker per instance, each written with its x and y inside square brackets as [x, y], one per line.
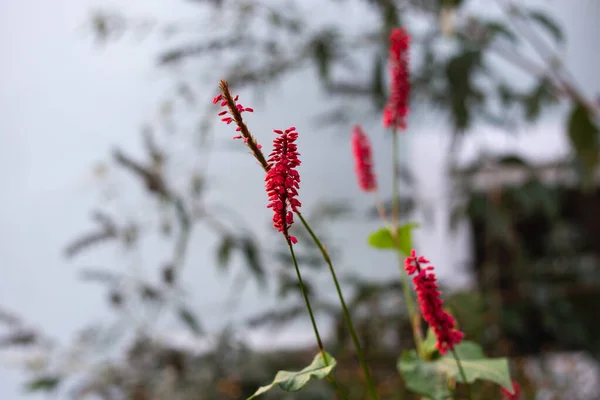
[312, 317]
[359, 352]
[462, 374]
[410, 304]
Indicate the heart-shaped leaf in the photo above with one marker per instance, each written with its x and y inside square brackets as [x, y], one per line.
[423, 377]
[476, 366]
[382, 238]
[292, 381]
[428, 378]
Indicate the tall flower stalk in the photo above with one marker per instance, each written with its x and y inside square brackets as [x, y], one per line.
[394, 117]
[282, 184]
[432, 308]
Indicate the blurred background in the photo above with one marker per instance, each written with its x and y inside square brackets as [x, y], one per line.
[138, 255]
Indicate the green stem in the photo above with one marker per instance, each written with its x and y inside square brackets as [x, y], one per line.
[462, 373]
[410, 304]
[312, 317]
[359, 352]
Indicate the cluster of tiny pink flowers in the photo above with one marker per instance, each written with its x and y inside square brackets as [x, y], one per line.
[396, 110]
[226, 115]
[363, 159]
[283, 181]
[428, 296]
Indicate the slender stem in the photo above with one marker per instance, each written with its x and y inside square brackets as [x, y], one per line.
[312, 317]
[306, 301]
[359, 352]
[410, 304]
[462, 374]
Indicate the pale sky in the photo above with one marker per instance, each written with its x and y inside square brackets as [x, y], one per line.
[64, 103]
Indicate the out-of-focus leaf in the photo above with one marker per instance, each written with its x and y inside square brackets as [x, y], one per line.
[495, 29]
[324, 51]
[541, 95]
[19, 338]
[224, 250]
[382, 238]
[459, 74]
[423, 377]
[252, 257]
[390, 16]
[378, 82]
[406, 206]
[277, 317]
[292, 381]
[331, 209]
[584, 136]
[45, 383]
[548, 23]
[190, 320]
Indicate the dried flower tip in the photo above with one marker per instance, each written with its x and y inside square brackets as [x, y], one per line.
[363, 160]
[283, 181]
[396, 110]
[428, 296]
[233, 113]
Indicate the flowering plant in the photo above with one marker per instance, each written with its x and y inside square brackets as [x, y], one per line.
[442, 358]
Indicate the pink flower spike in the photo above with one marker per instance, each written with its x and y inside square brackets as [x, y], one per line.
[428, 296]
[396, 110]
[283, 180]
[363, 160]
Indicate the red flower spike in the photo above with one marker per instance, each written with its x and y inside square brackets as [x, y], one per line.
[363, 161]
[428, 296]
[396, 110]
[506, 395]
[283, 181]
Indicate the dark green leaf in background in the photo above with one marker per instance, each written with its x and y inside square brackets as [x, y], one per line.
[45, 383]
[547, 23]
[190, 320]
[224, 251]
[584, 136]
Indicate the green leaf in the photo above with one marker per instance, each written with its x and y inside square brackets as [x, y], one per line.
[190, 320]
[292, 381]
[224, 251]
[428, 344]
[583, 134]
[468, 350]
[382, 238]
[45, 383]
[423, 377]
[490, 369]
[549, 24]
